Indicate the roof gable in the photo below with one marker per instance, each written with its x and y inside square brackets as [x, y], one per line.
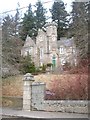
[29, 42]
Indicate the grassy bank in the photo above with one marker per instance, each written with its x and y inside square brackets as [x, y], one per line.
[65, 86]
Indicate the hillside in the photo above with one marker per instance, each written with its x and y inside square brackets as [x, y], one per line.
[11, 56]
[65, 86]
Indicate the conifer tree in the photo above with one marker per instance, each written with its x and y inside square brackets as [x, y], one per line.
[59, 14]
[79, 27]
[40, 15]
[17, 23]
[11, 44]
[28, 24]
[7, 27]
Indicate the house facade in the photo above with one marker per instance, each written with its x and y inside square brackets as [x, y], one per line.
[47, 49]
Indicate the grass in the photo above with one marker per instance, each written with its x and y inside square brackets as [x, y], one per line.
[12, 86]
[65, 83]
[12, 102]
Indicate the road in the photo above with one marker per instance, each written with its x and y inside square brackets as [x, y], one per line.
[39, 115]
[21, 118]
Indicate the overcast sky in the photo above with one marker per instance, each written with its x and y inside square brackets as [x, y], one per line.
[7, 5]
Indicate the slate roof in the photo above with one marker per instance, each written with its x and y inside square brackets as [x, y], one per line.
[65, 41]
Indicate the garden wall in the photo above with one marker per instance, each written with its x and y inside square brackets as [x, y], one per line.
[38, 102]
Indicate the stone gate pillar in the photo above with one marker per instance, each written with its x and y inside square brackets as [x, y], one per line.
[27, 91]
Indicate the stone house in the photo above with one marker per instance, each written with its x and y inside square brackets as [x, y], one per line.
[47, 49]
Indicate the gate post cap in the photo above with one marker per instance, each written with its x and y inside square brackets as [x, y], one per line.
[29, 77]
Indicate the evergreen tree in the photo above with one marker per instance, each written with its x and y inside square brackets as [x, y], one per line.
[59, 14]
[79, 27]
[7, 27]
[32, 21]
[28, 24]
[11, 45]
[17, 22]
[27, 66]
[40, 15]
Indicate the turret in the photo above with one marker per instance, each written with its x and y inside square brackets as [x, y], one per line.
[51, 31]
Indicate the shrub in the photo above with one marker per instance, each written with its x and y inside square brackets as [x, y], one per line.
[41, 69]
[69, 87]
[49, 64]
[66, 66]
[81, 68]
[44, 68]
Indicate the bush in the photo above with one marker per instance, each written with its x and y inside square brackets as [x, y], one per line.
[81, 68]
[44, 68]
[69, 87]
[49, 64]
[66, 66]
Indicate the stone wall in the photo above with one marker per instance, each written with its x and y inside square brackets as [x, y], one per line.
[38, 90]
[39, 103]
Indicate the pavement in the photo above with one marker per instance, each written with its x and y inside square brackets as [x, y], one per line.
[21, 118]
[39, 114]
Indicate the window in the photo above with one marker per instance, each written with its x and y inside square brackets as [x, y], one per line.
[61, 50]
[30, 50]
[25, 53]
[53, 29]
[49, 47]
[75, 62]
[36, 51]
[71, 49]
[63, 61]
[74, 50]
[41, 52]
[53, 38]
[41, 64]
